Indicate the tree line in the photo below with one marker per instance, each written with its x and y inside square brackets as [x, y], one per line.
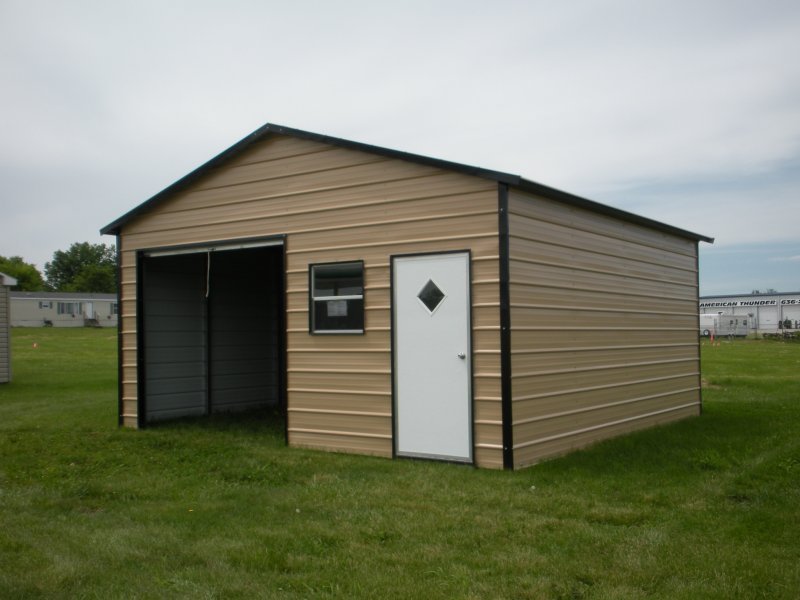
[83, 267]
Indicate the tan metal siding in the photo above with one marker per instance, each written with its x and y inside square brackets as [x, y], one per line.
[127, 333]
[5, 335]
[336, 204]
[604, 327]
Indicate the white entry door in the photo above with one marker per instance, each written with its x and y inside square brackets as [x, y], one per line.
[88, 310]
[431, 300]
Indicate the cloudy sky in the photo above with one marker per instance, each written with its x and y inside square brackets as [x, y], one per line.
[683, 111]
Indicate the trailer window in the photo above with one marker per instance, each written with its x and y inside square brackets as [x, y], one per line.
[69, 308]
[337, 298]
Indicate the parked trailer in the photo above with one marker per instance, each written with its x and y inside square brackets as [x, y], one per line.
[724, 325]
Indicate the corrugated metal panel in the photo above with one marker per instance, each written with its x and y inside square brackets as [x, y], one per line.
[563, 277]
[556, 445]
[175, 337]
[5, 335]
[590, 225]
[245, 334]
[568, 255]
[562, 235]
[592, 297]
[337, 204]
[603, 321]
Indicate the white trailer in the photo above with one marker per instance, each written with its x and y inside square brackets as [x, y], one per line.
[724, 325]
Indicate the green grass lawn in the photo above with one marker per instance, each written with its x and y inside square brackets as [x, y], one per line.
[220, 508]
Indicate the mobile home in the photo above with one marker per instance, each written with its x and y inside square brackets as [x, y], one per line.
[63, 309]
[402, 306]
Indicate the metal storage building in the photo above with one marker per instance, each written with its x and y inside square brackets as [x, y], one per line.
[6, 281]
[399, 305]
[768, 312]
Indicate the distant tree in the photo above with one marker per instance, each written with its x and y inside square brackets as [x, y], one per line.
[84, 267]
[28, 277]
[95, 278]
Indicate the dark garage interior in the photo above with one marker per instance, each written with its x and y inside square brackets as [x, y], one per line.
[211, 332]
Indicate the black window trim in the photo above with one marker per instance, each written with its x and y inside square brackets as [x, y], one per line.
[311, 328]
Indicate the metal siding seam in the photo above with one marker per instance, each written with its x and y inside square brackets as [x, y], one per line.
[449, 238]
[606, 386]
[505, 328]
[591, 408]
[329, 228]
[547, 263]
[576, 288]
[380, 436]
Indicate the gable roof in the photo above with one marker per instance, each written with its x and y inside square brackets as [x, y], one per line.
[514, 181]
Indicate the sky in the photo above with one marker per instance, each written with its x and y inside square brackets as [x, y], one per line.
[687, 112]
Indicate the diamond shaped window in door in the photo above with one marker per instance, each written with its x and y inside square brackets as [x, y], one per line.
[431, 296]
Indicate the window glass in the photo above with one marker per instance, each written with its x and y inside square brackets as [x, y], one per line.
[431, 296]
[69, 308]
[337, 298]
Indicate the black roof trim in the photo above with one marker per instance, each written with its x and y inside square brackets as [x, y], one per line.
[515, 181]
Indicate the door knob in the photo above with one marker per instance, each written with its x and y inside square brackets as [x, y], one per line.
[462, 356]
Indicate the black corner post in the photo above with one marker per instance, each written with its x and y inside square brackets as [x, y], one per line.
[120, 388]
[699, 352]
[505, 329]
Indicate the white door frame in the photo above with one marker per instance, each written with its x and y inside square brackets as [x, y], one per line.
[467, 455]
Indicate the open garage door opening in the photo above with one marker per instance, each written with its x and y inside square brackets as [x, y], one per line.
[211, 332]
